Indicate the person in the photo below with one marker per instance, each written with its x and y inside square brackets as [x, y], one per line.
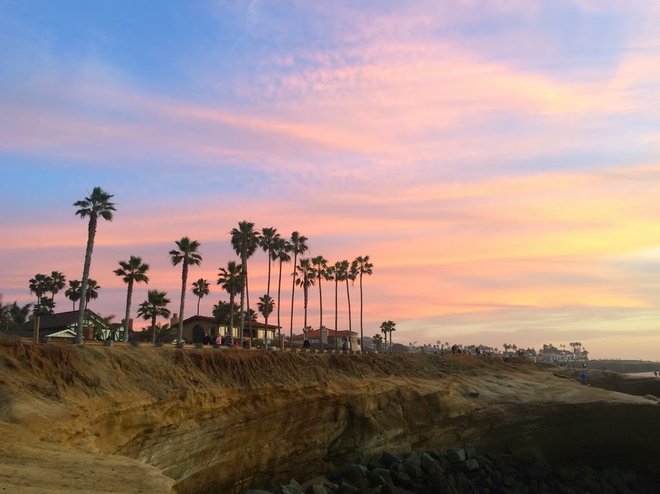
[228, 340]
[218, 339]
[344, 345]
[305, 343]
[583, 377]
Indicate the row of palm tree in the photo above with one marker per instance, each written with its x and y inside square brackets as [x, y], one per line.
[42, 284]
[234, 279]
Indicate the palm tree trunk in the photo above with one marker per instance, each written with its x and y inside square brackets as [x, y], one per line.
[361, 307]
[128, 309]
[350, 326]
[231, 317]
[91, 233]
[305, 296]
[336, 317]
[199, 299]
[153, 329]
[320, 308]
[247, 299]
[279, 291]
[243, 287]
[184, 280]
[267, 298]
[293, 290]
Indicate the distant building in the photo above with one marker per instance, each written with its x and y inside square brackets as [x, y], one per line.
[325, 338]
[196, 327]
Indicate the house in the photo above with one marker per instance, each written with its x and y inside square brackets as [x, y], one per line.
[196, 327]
[326, 338]
[63, 325]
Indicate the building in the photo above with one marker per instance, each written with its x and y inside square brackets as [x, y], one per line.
[195, 328]
[325, 338]
[63, 325]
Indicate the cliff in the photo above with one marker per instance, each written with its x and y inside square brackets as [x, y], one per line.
[124, 419]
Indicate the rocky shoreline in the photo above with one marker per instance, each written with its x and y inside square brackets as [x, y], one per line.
[463, 470]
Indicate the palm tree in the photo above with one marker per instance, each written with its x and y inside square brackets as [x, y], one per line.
[265, 306]
[131, 271]
[378, 342]
[201, 289]
[362, 267]
[231, 280]
[92, 290]
[244, 240]
[57, 282]
[268, 241]
[307, 277]
[321, 265]
[349, 274]
[39, 285]
[43, 307]
[97, 204]
[155, 306]
[73, 292]
[337, 273]
[186, 255]
[388, 327]
[225, 312]
[298, 246]
[281, 254]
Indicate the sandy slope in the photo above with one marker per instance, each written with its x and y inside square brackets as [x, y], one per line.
[123, 419]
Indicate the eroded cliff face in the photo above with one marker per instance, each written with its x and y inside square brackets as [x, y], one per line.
[146, 419]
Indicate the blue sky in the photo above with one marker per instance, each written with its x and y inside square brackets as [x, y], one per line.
[497, 159]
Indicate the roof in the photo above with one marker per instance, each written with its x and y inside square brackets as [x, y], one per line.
[246, 323]
[53, 323]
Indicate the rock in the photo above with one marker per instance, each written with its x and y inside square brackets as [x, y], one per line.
[538, 470]
[401, 479]
[470, 452]
[257, 491]
[346, 488]
[471, 465]
[292, 487]
[413, 469]
[353, 472]
[380, 476]
[428, 464]
[317, 489]
[456, 455]
[387, 459]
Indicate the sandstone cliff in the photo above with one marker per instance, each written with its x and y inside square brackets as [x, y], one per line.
[124, 419]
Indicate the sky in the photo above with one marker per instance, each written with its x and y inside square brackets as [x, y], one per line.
[499, 161]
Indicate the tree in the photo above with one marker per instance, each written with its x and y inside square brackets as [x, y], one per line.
[378, 342]
[306, 279]
[350, 276]
[201, 289]
[321, 265]
[362, 267]
[186, 255]
[13, 314]
[268, 240]
[43, 307]
[57, 282]
[92, 290]
[298, 246]
[244, 241]
[96, 205]
[131, 271]
[226, 312]
[388, 327]
[281, 254]
[39, 285]
[230, 280]
[155, 306]
[73, 292]
[266, 305]
[337, 273]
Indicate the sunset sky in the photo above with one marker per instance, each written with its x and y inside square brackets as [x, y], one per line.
[499, 161]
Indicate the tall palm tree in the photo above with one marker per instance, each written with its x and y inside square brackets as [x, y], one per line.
[362, 266]
[321, 265]
[186, 255]
[43, 307]
[281, 254]
[95, 205]
[268, 241]
[298, 246]
[349, 275]
[201, 289]
[231, 280]
[244, 240]
[58, 281]
[73, 292]
[337, 273]
[131, 271]
[306, 279]
[155, 306]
